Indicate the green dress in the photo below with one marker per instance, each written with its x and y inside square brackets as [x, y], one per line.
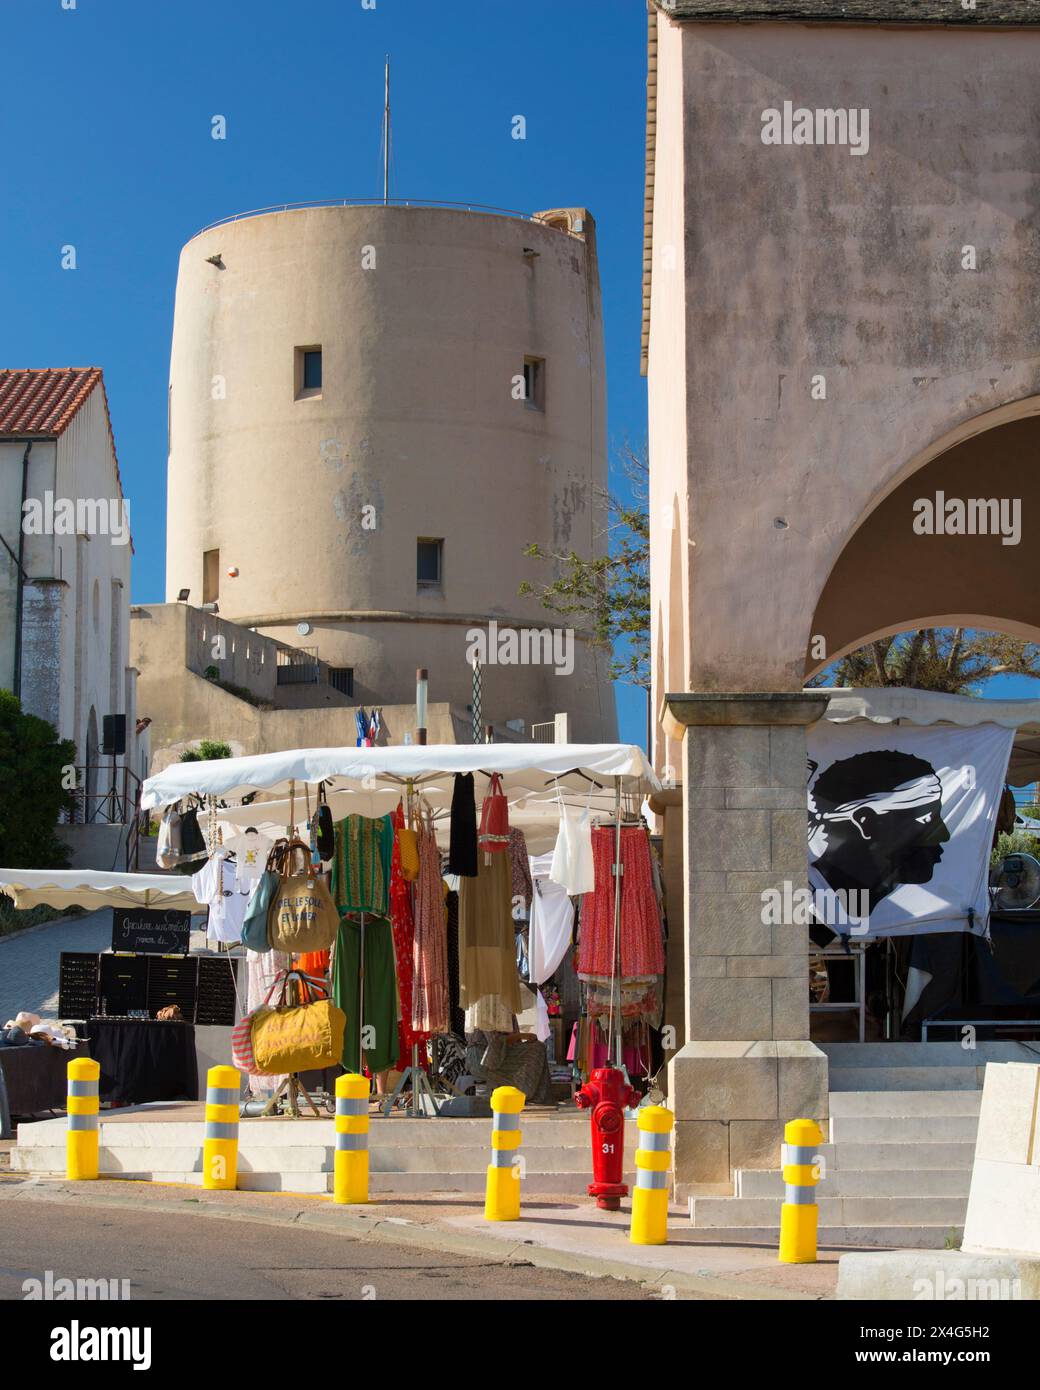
[361, 867]
[378, 1048]
[361, 884]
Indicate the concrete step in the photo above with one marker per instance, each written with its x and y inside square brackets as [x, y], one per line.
[709, 1213]
[924, 1078]
[904, 1129]
[316, 1159]
[546, 1134]
[871, 1182]
[863, 1102]
[911, 1156]
[179, 1166]
[930, 1054]
[838, 1237]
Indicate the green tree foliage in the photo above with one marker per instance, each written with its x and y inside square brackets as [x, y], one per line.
[34, 761]
[607, 596]
[956, 660]
[206, 750]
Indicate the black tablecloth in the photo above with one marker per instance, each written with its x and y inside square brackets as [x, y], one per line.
[36, 1076]
[144, 1060]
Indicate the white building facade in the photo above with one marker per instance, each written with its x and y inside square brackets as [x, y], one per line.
[65, 556]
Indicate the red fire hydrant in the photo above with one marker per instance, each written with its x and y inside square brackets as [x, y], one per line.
[606, 1093]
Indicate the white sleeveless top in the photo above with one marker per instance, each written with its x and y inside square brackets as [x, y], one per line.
[572, 865]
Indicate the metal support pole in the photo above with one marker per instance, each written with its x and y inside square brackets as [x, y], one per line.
[614, 1030]
[477, 716]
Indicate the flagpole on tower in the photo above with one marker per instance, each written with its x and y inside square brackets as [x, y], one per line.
[386, 135]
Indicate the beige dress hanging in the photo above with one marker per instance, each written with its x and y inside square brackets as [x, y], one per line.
[487, 953]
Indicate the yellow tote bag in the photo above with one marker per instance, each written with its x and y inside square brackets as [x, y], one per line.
[297, 1037]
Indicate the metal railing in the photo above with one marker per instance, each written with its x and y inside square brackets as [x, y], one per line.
[377, 202]
[544, 733]
[104, 795]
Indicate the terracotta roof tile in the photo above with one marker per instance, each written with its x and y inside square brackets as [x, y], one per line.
[43, 402]
[40, 402]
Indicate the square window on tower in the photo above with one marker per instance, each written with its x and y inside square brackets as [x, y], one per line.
[307, 379]
[429, 563]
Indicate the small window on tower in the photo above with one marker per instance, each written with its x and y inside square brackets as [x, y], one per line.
[429, 563]
[534, 383]
[307, 372]
[210, 576]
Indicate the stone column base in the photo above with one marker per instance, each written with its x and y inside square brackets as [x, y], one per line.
[731, 1101]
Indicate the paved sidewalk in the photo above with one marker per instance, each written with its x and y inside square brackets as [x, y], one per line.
[29, 960]
[554, 1232]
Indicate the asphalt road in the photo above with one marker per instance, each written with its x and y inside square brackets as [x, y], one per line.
[188, 1256]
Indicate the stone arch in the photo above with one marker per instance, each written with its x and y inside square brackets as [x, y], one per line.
[889, 578]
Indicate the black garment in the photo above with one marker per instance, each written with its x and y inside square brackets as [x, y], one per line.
[144, 1060]
[462, 844]
[456, 1014]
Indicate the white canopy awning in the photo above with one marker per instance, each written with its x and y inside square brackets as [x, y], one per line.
[537, 816]
[533, 769]
[92, 888]
[905, 706]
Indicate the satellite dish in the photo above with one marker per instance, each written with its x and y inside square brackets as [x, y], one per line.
[1017, 883]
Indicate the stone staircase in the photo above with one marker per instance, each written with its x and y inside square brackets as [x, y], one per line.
[897, 1161]
[405, 1155]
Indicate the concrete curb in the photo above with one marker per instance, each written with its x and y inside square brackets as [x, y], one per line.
[321, 1214]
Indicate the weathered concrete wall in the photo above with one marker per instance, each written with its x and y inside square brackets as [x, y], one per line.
[810, 261]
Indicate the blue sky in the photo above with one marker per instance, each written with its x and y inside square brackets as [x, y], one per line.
[106, 108]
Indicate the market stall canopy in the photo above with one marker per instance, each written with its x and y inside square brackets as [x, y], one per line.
[91, 888]
[537, 816]
[527, 769]
[904, 706]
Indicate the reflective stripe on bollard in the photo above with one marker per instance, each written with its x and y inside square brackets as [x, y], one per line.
[220, 1137]
[502, 1201]
[81, 1140]
[799, 1215]
[350, 1178]
[653, 1160]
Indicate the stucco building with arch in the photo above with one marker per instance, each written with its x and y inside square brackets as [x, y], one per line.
[839, 323]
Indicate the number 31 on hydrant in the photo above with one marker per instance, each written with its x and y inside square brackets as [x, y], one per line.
[606, 1093]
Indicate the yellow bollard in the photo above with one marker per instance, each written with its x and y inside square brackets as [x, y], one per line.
[220, 1139]
[799, 1215]
[350, 1181]
[81, 1139]
[653, 1159]
[502, 1202]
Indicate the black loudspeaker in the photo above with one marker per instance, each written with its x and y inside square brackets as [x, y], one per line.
[113, 734]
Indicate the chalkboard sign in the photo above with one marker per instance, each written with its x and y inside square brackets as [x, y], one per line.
[159, 931]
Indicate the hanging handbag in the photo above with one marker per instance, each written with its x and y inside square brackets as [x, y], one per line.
[324, 831]
[302, 916]
[298, 1037]
[193, 844]
[168, 845]
[254, 924]
[408, 844]
[493, 837]
[242, 1039]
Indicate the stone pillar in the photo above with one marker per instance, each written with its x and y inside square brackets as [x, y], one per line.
[42, 609]
[747, 1065]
